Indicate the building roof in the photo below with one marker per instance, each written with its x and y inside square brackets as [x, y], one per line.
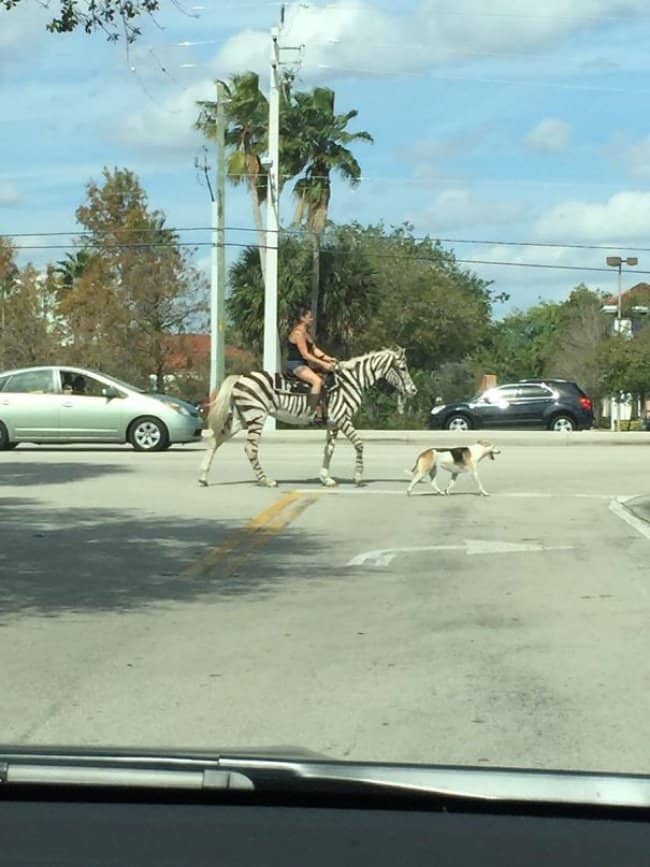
[187, 351]
[639, 292]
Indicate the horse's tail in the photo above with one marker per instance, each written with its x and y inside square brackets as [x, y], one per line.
[219, 413]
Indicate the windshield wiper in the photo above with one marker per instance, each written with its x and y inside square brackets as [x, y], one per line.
[73, 770]
[241, 773]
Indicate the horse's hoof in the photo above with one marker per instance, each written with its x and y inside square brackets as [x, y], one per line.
[329, 482]
[267, 483]
[203, 483]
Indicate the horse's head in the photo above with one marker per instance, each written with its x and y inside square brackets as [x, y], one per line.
[398, 373]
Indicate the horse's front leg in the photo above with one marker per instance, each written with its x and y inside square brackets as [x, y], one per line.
[251, 448]
[330, 443]
[350, 432]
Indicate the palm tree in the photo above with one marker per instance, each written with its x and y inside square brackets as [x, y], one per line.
[323, 139]
[72, 267]
[246, 115]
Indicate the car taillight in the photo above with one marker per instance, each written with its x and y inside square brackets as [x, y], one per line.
[585, 403]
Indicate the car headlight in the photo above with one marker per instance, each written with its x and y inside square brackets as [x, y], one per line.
[183, 410]
[437, 409]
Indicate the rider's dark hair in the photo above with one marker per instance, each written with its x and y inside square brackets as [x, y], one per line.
[297, 311]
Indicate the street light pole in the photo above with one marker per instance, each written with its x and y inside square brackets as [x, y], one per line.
[618, 262]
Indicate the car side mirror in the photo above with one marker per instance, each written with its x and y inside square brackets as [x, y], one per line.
[111, 392]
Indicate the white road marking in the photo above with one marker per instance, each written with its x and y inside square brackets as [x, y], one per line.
[618, 508]
[472, 547]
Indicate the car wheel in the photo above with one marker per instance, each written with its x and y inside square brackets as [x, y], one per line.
[562, 423]
[4, 439]
[148, 434]
[458, 422]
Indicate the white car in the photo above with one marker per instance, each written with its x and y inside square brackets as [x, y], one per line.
[64, 404]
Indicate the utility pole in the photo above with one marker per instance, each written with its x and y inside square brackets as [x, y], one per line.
[218, 269]
[271, 354]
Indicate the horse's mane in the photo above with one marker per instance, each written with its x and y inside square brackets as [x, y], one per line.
[356, 359]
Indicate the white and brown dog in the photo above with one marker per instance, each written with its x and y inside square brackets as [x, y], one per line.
[463, 459]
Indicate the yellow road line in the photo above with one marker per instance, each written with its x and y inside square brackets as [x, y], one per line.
[244, 540]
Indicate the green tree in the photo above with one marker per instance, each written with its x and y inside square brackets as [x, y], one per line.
[427, 303]
[324, 142]
[379, 288]
[138, 286]
[28, 328]
[625, 363]
[246, 113]
[575, 351]
[313, 143]
[521, 344]
[349, 291]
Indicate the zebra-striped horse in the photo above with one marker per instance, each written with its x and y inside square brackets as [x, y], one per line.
[243, 402]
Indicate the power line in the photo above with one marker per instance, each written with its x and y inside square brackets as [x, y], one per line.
[370, 254]
[490, 242]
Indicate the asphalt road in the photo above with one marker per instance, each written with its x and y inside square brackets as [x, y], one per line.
[137, 609]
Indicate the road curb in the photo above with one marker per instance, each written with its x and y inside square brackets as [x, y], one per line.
[639, 507]
[434, 438]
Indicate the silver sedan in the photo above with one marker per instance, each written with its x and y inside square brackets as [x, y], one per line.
[58, 404]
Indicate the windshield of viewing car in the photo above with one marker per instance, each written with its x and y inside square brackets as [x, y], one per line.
[351, 559]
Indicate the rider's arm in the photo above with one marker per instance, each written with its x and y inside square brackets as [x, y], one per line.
[301, 343]
[322, 356]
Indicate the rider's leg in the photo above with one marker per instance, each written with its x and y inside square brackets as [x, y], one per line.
[308, 375]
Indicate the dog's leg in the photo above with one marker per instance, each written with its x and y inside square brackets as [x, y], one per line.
[432, 476]
[417, 477]
[478, 483]
[451, 484]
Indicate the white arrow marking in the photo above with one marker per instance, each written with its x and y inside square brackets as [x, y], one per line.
[472, 547]
[618, 507]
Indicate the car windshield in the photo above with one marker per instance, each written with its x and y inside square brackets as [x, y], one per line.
[314, 229]
[121, 384]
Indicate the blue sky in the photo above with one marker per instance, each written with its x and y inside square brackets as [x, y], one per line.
[493, 123]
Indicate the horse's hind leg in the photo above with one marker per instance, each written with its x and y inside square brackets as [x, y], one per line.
[213, 445]
[253, 434]
[216, 439]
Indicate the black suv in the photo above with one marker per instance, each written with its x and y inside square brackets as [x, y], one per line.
[556, 404]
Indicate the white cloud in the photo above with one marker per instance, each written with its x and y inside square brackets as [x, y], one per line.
[531, 274]
[459, 208]
[549, 136]
[427, 153]
[343, 38]
[168, 125]
[624, 217]
[636, 158]
[21, 29]
[8, 194]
